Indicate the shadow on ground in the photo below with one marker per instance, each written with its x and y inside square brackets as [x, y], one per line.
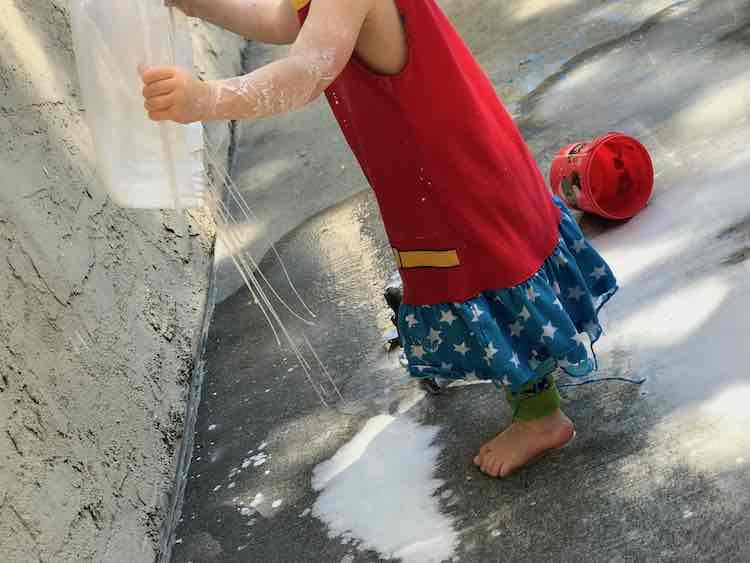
[658, 473]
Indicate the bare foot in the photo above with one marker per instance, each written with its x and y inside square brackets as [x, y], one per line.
[523, 442]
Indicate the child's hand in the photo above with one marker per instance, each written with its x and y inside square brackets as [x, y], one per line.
[185, 6]
[172, 94]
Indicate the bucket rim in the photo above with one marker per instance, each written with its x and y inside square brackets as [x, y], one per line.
[596, 145]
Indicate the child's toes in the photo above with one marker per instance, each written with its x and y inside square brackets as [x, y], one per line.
[489, 466]
[486, 468]
[497, 467]
[505, 470]
[484, 452]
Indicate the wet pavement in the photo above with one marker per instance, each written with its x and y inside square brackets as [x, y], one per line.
[658, 472]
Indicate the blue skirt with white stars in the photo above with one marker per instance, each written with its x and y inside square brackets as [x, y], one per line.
[521, 334]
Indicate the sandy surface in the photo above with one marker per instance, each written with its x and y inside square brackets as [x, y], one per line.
[101, 311]
[658, 472]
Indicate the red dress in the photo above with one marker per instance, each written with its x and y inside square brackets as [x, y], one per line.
[464, 204]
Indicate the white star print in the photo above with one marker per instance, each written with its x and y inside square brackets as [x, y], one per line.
[579, 245]
[411, 321]
[580, 339]
[515, 361]
[557, 303]
[516, 328]
[599, 272]
[549, 331]
[435, 337]
[576, 293]
[532, 294]
[506, 381]
[477, 312]
[524, 314]
[417, 351]
[462, 348]
[556, 287]
[446, 367]
[490, 352]
[448, 317]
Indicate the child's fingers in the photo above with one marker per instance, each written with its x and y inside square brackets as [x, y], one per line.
[157, 73]
[161, 88]
[159, 116]
[160, 103]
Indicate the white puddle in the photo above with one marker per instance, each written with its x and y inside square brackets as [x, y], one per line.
[380, 491]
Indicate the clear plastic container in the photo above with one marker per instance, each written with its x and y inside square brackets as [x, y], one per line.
[141, 163]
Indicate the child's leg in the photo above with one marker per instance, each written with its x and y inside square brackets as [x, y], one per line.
[538, 426]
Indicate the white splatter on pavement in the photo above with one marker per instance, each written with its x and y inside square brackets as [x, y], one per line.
[379, 489]
[257, 501]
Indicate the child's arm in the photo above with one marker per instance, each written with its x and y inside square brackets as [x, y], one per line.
[322, 49]
[266, 21]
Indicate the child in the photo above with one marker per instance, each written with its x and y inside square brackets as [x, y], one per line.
[499, 282]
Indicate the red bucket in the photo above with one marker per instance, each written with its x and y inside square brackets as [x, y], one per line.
[612, 176]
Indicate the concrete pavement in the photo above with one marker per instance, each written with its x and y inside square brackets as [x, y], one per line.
[659, 472]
